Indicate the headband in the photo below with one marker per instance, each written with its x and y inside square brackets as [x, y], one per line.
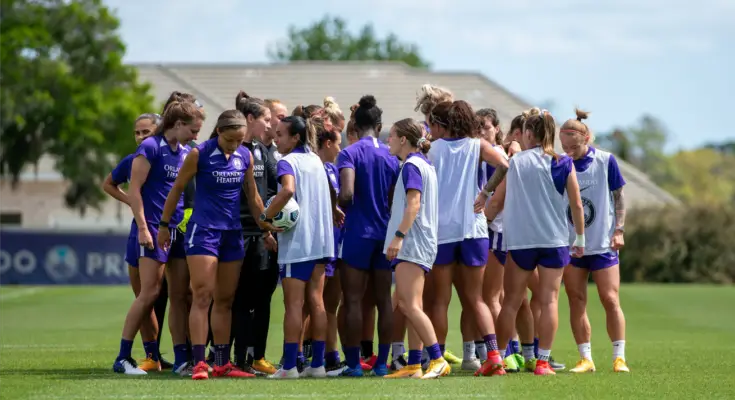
[232, 122]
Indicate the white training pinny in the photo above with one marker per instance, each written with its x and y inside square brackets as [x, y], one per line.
[599, 212]
[497, 224]
[312, 237]
[420, 243]
[537, 210]
[457, 164]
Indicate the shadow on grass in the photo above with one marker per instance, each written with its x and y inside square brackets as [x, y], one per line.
[80, 374]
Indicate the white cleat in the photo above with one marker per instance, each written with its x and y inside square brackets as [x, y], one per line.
[318, 372]
[471, 364]
[292, 373]
[127, 366]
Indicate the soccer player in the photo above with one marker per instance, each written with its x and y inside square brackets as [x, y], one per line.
[145, 126]
[601, 186]
[411, 243]
[259, 277]
[215, 247]
[328, 144]
[304, 249]
[537, 181]
[154, 170]
[367, 175]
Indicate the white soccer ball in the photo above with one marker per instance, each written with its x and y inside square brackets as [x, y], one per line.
[288, 216]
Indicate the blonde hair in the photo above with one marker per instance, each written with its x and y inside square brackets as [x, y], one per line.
[544, 130]
[429, 96]
[272, 102]
[332, 110]
[576, 126]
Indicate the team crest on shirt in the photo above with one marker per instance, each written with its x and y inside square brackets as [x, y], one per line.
[589, 212]
[237, 162]
[258, 155]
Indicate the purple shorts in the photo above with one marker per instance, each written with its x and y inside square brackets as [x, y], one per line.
[226, 245]
[397, 261]
[332, 264]
[496, 246]
[135, 251]
[528, 259]
[301, 270]
[362, 253]
[469, 252]
[596, 262]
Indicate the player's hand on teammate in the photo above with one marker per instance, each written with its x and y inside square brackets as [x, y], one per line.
[164, 238]
[480, 202]
[617, 241]
[394, 248]
[339, 217]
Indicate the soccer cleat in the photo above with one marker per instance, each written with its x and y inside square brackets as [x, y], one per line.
[148, 364]
[127, 366]
[619, 365]
[184, 369]
[556, 366]
[451, 358]
[583, 365]
[519, 360]
[353, 372]
[380, 370]
[292, 373]
[200, 371]
[264, 366]
[510, 364]
[398, 363]
[165, 364]
[471, 364]
[530, 365]
[409, 371]
[230, 371]
[309, 372]
[244, 366]
[369, 361]
[336, 370]
[490, 368]
[543, 368]
[437, 368]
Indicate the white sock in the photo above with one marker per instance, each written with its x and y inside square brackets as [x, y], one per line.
[469, 350]
[585, 350]
[544, 355]
[250, 351]
[527, 350]
[397, 349]
[502, 353]
[619, 349]
[482, 351]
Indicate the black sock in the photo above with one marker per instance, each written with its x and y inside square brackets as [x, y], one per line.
[367, 348]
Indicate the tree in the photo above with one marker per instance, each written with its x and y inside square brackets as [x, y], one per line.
[330, 40]
[65, 92]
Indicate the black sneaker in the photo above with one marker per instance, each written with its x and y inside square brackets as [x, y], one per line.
[246, 367]
[165, 364]
[556, 366]
[335, 369]
[300, 364]
[398, 363]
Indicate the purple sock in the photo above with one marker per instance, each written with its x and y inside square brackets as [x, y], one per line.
[317, 353]
[434, 351]
[508, 349]
[300, 356]
[491, 342]
[151, 350]
[126, 347]
[352, 355]
[332, 358]
[197, 353]
[414, 357]
[535, 347]
[515, 347]
[290, 351]
[442, 348]
[221, 354]
[383, 353]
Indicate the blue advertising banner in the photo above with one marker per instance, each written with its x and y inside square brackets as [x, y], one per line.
[51, 258]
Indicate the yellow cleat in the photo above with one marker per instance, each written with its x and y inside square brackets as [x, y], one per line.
[148, 365]
[264, 366]
[437, 368]
[583, 365]
[451, 358]
[409, 371]
[619, 365]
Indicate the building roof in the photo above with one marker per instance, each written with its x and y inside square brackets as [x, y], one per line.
[394, 84]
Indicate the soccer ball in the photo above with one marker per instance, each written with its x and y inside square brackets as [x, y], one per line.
[288, 216]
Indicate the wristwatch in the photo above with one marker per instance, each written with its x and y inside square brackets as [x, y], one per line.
[400, 234]
[163, 224]
[264, 219]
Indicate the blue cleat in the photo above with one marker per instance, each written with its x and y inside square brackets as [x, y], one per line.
[380, 370]
[353, 372]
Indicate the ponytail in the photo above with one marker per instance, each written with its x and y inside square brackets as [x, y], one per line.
[549, 134]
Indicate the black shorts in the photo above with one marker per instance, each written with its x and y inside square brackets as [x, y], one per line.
[256, 256]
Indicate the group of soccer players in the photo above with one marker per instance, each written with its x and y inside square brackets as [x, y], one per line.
[448, 203]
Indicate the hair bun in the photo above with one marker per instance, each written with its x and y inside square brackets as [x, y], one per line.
[581, 115]
[328, 101]
[368, 101]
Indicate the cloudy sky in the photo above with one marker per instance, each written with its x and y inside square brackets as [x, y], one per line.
[619, 59]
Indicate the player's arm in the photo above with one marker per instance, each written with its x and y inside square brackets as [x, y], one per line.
[186, 173]
[251, 190]
[113, 189]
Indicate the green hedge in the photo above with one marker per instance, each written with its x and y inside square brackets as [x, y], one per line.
[679, 244]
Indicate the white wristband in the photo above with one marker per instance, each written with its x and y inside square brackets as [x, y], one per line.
[579, 241]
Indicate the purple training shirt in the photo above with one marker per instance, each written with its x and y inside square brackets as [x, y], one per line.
[165, 164]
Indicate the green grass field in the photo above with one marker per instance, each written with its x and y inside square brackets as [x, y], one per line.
[60, 342]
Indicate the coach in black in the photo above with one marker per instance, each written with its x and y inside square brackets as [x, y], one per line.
[259, 275]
